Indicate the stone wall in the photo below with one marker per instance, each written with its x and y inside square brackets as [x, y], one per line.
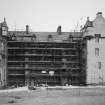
[96, 51]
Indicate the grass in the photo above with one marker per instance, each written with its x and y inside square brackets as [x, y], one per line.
[55, 97]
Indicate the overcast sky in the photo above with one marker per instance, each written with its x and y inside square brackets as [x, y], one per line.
[46, 15]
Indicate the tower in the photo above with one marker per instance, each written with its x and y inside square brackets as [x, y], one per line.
[4, 28]
[94, 32]
[3, 66]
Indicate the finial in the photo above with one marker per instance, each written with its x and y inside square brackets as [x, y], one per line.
[88, 18]
[4, 22]
[4, 19]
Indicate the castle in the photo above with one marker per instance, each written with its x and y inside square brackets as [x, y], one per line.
[53, 58]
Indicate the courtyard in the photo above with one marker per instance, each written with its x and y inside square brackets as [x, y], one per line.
[66, 96]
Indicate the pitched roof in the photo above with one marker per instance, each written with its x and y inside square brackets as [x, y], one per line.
[89, 24]
[43, 36]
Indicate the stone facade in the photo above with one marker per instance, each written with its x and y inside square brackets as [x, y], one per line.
[85, 65]
[95, 33]
[3, 59]
[2, 63]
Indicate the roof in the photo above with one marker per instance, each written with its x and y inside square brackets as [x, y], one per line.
[3, 23]
[89, 24]
[43, 36]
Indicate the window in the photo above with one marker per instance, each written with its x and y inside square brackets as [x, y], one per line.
[33, 38]
[97, 36]
[97, 39]
[99, 65]
[97, 51]
[50, 38]
[4, 31]
[13, 37]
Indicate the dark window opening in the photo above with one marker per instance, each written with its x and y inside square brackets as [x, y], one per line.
[97, 51]
[97, 36]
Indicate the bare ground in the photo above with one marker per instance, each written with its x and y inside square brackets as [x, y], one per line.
[77, 96]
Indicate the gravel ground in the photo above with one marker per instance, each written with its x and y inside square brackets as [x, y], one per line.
[85, 96]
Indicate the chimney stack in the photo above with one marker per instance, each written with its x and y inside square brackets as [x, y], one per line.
[59, 30]
[27, 29]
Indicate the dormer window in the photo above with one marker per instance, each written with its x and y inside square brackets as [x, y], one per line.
[13, 37]
[50, 38]
[33, 37]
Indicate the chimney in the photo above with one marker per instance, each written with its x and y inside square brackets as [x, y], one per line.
[99, 14]
[59, 30]
[27, 29]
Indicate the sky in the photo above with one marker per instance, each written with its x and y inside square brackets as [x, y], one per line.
[47, 15]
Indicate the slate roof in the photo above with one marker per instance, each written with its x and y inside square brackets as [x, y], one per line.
[89, 24]
[43, 36]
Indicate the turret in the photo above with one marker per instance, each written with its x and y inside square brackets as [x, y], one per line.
[4, 28]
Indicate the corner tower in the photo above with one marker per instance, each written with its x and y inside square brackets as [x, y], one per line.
[95, 50]
[4, 28]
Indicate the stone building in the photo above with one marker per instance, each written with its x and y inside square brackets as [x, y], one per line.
[53, 58]
[3, 59]
[94, 32]
[35, 58]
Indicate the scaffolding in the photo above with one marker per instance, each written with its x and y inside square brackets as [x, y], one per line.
[51, 63]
